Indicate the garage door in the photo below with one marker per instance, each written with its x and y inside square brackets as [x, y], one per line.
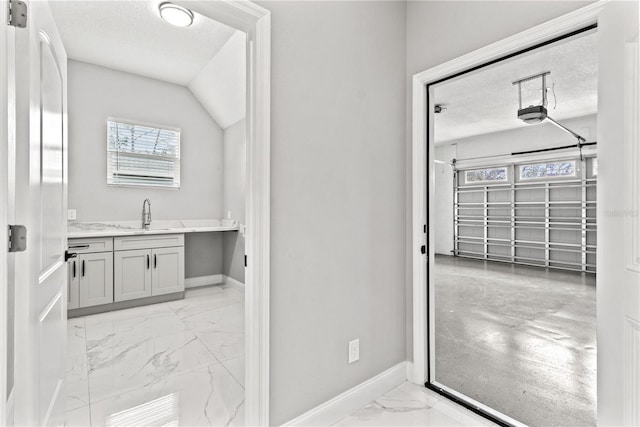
[541, 214]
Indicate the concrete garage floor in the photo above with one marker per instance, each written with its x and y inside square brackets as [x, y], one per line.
[519, 339]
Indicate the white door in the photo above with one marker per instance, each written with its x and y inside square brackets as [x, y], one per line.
[631, 328]
[168, 271]
[618, 282]
[41, 191]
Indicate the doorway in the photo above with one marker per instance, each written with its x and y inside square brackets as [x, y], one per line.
[254, 22]
[484, 253]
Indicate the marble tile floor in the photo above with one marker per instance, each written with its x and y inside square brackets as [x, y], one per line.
[413, 405]
[174, 363]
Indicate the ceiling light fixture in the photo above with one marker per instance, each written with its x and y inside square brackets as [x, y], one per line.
[175, 15]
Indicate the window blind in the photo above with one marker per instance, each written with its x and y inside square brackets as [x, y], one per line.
[142, 155]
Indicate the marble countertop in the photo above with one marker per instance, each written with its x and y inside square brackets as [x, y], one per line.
[78, 229]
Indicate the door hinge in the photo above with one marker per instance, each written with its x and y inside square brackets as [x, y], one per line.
[17, 14]
[245, 260]
[423, 249]
[17, 238]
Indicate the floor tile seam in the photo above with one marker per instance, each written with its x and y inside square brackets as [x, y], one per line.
[231, 373]
[220, 361]
[225, 306]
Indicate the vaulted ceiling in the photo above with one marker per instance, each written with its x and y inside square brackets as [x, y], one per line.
[130, 36]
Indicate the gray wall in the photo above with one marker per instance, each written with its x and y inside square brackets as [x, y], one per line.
[96, 93]
[439, 31]
[233, 197]
[203, 254]
[337, 197]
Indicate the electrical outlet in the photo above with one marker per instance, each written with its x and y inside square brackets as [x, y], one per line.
[354, 351]
[71, 214]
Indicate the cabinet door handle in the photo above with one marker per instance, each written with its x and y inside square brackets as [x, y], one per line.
[74, 269]
[83, 269]
[155, 261]
[147, 261]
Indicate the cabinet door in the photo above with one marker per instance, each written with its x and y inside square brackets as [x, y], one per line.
[132, 274]
[96, 279]
[73, 285]
[168, 270]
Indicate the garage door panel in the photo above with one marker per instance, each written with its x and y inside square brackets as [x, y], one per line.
[499, 233]
[548, 221]
[499, 196]
[530, 234]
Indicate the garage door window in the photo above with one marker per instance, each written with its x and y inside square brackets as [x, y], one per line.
[485, 175]
[548, 170]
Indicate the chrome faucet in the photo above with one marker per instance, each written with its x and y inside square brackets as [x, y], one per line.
[146, 214]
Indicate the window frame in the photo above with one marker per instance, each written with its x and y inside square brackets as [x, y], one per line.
[177, 171]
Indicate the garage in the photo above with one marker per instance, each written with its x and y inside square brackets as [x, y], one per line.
[514, 216]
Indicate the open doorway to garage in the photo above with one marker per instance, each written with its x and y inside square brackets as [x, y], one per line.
[515, 236]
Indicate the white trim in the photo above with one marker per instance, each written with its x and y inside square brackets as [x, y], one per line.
[557, 27]
[232, 282]
[4, 198]
[508, 159]
[196, 282]
[255, 21]
[353, 399]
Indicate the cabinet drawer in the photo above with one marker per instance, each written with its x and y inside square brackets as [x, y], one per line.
[90, 245]
[148, 242]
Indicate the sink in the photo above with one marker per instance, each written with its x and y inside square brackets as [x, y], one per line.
[162, 225]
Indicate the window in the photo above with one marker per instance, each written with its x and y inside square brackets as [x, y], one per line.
[485, 175]
[548, 170]
[142, 155]
[594, 166]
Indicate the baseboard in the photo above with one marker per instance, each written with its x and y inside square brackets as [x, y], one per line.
[231, 281]
[352, 400]
[410, 372]
[194, 282]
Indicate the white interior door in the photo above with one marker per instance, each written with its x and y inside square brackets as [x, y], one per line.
[41, 191]
[618, 282]
[631, 328]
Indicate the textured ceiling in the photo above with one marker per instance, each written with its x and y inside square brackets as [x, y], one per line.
[129, 35]
[485, 101]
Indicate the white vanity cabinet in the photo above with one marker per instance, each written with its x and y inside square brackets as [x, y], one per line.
[132, 274]
[90, 273]
[148, 266]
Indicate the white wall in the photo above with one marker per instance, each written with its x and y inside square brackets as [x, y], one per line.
[533, 137]
[96, 93]
[221, 85]
[443, 214]
[337, 197]
[439, 31]
[233, 197]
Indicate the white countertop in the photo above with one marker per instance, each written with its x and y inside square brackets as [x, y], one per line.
[78, 230]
